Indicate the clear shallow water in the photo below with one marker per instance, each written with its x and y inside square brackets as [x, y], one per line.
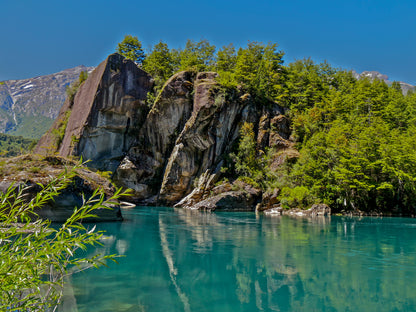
[177, 260]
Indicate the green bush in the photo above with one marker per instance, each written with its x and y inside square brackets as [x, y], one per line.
[297, 197]
[35, 257]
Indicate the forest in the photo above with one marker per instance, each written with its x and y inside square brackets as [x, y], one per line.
[355, 137]
[14, 145]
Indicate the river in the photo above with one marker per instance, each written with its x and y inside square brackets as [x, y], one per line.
[179, 260]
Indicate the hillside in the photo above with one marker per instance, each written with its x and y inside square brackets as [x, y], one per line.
[29, 106]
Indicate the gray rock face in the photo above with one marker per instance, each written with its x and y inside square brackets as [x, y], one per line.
[29, 106]
[317, 210]
[142, 168]
[108, 111]
[207, 136]
[228, 201]
[117, 111]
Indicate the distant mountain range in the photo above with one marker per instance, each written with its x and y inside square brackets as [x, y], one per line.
[374, 74]
[29, 106]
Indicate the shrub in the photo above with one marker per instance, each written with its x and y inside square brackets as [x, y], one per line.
[35, 256]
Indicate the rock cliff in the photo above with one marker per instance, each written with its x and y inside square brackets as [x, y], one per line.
[173, 152]
[102, 121]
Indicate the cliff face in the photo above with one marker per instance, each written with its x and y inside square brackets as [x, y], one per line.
[102, 121]
[174, 151]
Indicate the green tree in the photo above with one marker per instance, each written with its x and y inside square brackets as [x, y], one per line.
[36, 257]
[259, 69]
[198, 56]
[82, 76]
[247, 164]
[72, 89]
[159, 63]
[225, 65]
[131, 48]
[226, 59]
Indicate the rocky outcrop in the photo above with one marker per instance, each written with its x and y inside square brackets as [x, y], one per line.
[228, 201]
[171, 154]
[107, 112]
[238, 196]
[207, 137]
[142, 167]
[31, 171]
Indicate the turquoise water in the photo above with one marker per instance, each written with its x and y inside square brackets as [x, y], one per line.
[177, 260]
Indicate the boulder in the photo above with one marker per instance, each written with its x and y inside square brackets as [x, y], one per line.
[228, 201]
[317, 210]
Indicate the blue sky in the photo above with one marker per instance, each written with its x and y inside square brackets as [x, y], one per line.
[43, 37]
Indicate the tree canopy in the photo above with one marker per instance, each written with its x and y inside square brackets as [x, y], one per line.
[131, 48]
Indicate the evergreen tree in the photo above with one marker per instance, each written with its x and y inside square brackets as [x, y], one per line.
[198, 56]
[131, 48]
[159, 63]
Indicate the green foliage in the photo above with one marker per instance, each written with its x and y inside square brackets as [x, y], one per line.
[159, 63]
[297, 197]
[105, 174]
[131, 48]
[72, 89]
[59, 132]
[259, 69]
[15, 145]
[355, 138]
[150, 99]
[197, 56]
[82, 77]
[248, 166]
[226, 59]
[36, 257]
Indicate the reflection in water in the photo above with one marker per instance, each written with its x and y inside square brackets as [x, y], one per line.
[180, 260]
[173, 271]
